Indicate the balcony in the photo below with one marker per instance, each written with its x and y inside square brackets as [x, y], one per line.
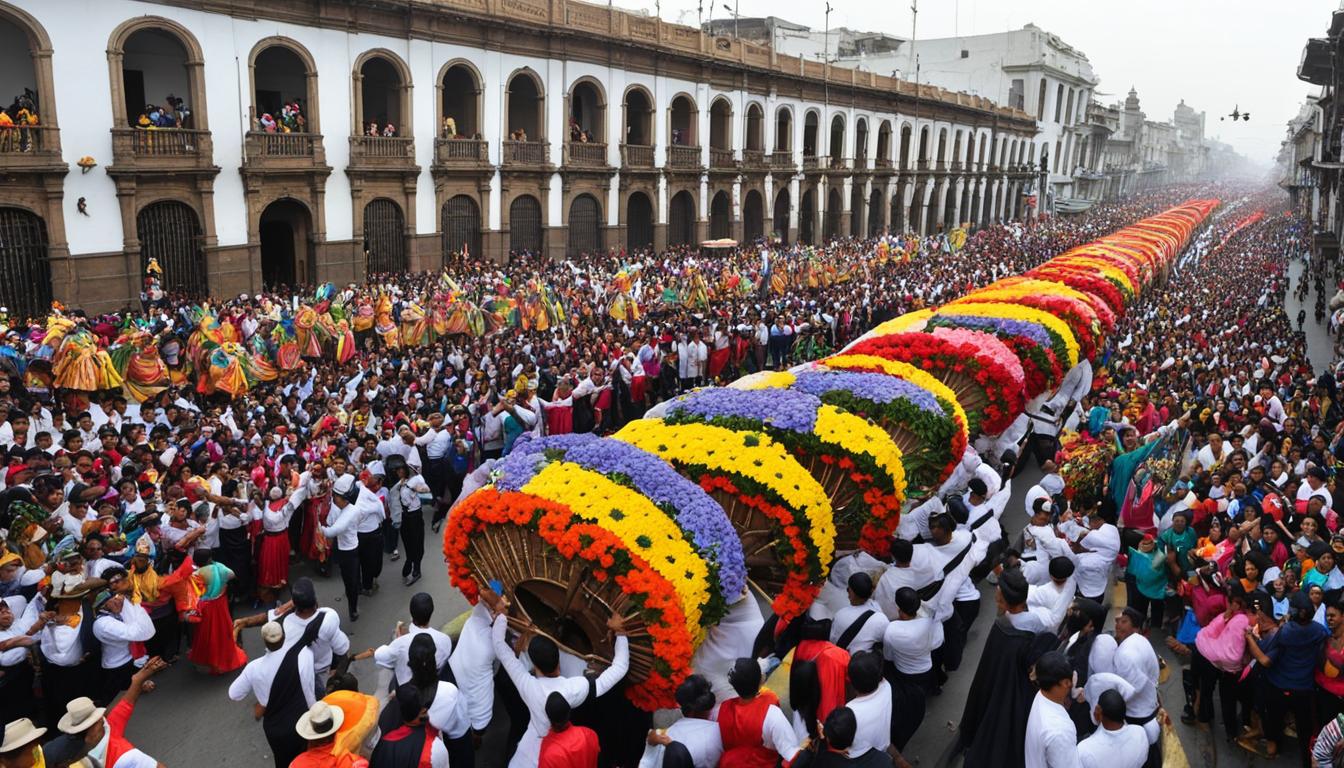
[636, 156]
[810, 162]
[755, 158]
[782, 160]
[922, 165]
[390, 152]
[519, 154]
[683, 156]
[885, 163]
[837, 163]
[31, 148]
[721, 158]
[585, 155]
[283, 151]
[956, 166]
[462, 154]
[160, 149]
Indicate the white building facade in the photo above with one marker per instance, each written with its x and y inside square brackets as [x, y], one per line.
[575, 127]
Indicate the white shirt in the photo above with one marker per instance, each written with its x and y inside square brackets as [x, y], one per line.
[117, 632]
[701, 738]
[1136, 662]
[1125, 747]
[257, 676]
[448, 712]
[908, 644]
[921, 572]
[330, 639]
[535, 690]
[1092, 569]
[344, 524]
[1050, 601]
[869, 635]
[395, 655]
[872, 714]
[726, 642]
[1052, 739]
[474, 667]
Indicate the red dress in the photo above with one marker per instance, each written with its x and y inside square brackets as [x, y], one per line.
[273, 560]
[315, 545]
[213, 646]
[832, 664]
[574, 747]
[740, 726]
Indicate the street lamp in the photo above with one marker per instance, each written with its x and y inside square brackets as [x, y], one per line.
[735, 14]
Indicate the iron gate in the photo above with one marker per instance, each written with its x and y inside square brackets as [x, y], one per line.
[720, 217]
[25, 273]
[525, 224]
[807, 217]
[856, 210]
[875, 213]
[639, 222]
[681, 220]
[170, 233]
[782, 216]
[384, 236]
[460, 222]
[833, 214]
[753, 221]
[585, 221]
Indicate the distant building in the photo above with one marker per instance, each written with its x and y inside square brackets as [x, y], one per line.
[1315, 135]
[1144, 153]
[792, 39]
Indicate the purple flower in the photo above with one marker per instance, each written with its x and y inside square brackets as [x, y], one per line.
[698, 515]
[1001, 326]
[876, 387]
[785, 409]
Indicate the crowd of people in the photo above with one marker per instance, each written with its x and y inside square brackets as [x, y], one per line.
[134, 530]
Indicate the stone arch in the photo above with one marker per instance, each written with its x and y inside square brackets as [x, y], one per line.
[639, 222]
[194, 62]
[385, 236]
[525, 103]
[365, 110]
[638, 107]
[462, 99]
[721, 123]
[784, 129]
[311, 112]
[40, 52]
[584, 225]
[682, 120]
[720, 215]
[25, 262]
[753, 216]
[591, 117]
[460, 225]
[753, 135]
[526, 217]
[681, 207]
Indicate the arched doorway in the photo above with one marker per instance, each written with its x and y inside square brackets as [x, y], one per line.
[681, 219]
[285, 231]
[931, 210]
[807, 218]
[460, 222]
[856, 217]
[25, 272]
[587, 112]
[170, 233]
[781, 218]
[526, 106]
[833, 211]
[525, 225]
[682, 118]
[720, 216]
[384, 236]
[950, 208]
[585, 226]
[638, 118]
[875, 212]
[753, 217]
[638, 222]
[898, 210]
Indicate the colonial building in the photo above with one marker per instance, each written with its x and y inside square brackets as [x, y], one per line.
[1142, 153]
[542, 125]
[1320, 157]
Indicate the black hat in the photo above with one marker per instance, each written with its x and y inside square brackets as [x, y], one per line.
[1316, 472]
[303, 593]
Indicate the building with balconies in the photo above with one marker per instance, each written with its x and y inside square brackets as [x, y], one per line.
[433, 128]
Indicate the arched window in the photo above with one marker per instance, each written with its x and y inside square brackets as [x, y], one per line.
[385, 236]
[638, 222]
[25, 273]
[460, 102]
[783, 130]
[525, 225]
[810, 121]
[681, 219]
[721, 125]
[384, 96]
[585, 226]
[682, 117]
[838, 137]
[26, 82]
[638, 118]
[526, 107]
[460, 222]
[905, 148]
[158, 76]
[284, 88]
[883, 156]
[861, 141]
[720, 216]
[587, 113]
[755, 135]
[170, 234]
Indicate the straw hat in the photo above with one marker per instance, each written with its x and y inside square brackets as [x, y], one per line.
[20, 733]
[80, 715]
[319, 722]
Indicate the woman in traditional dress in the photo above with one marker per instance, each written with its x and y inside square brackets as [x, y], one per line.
[213, 647]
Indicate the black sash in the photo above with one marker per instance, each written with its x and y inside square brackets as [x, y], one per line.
[852, 631]
[927, 592]
[286, 703]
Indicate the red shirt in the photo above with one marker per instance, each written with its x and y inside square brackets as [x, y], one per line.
[574, 747]
[740, 726]
[832, 663]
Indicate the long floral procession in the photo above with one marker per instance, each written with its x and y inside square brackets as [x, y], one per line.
[764, 481]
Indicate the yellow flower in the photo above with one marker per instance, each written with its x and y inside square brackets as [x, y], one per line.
[646, 530]
[765, 380]
[1019, 312]
[910, 321]
[857, 435]
[760, 459]
[902, 371]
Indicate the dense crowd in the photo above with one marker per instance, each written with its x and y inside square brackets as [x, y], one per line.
[134, 529]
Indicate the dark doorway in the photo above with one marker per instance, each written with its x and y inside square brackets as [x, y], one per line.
[460, 222]
[875, 212]
[285, 232]
[385, 237]
[781, 220]
[585, 226]
[170, 233]
[753, 217]
[25, 273]
[639, 222]
[807, 218]
[681, 219]
[720, 217]
[833, 212]
[525, 225]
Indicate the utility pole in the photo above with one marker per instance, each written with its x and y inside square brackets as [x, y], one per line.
[916, 133]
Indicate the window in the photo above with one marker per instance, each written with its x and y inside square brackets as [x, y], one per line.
[1040, 102]
[1017, 94]
[1059, 101]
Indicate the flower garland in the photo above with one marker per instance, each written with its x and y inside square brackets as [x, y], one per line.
[1077, 314]
[608, 558]
[698, 515]
[750, 473]
[1028, 341]
[1098, 307]
[854, 460]
[986, 376]
[1062, 341]
[1086, 281]
[942, 438]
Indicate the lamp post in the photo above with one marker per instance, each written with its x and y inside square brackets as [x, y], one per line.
[736, 16]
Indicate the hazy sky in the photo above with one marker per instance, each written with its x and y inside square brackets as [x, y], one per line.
[1215, 54]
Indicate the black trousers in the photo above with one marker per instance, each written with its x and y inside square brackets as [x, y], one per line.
[413, 540]
[1207, 677]
[461, 751]
[114, 681]
[16, 692]
[61, 685]
[1278, 702]
[955, 629]
[348, 561]
[370, 557]
[167, 640]
[908, 696]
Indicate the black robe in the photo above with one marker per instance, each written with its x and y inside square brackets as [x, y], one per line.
[994, 723]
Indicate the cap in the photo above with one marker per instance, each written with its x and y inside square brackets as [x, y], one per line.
[272, 632]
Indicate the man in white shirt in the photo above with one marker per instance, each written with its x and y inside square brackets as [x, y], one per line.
[1093, 546]
[394, 655]
[1136, 662]
[860, 625]
[1214, 453]
[871, 704]
[1052, 599]
[534, 689]
[1116, 744]
[696, 730]
[912, 567]
[257, 679]
[349, 502]
[908, 645]
[1052, 739]
[295, 617]
[119, 623]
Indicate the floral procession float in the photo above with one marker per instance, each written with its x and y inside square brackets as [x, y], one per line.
[765, 481]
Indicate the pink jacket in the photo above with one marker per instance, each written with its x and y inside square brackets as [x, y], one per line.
[1223, 642]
